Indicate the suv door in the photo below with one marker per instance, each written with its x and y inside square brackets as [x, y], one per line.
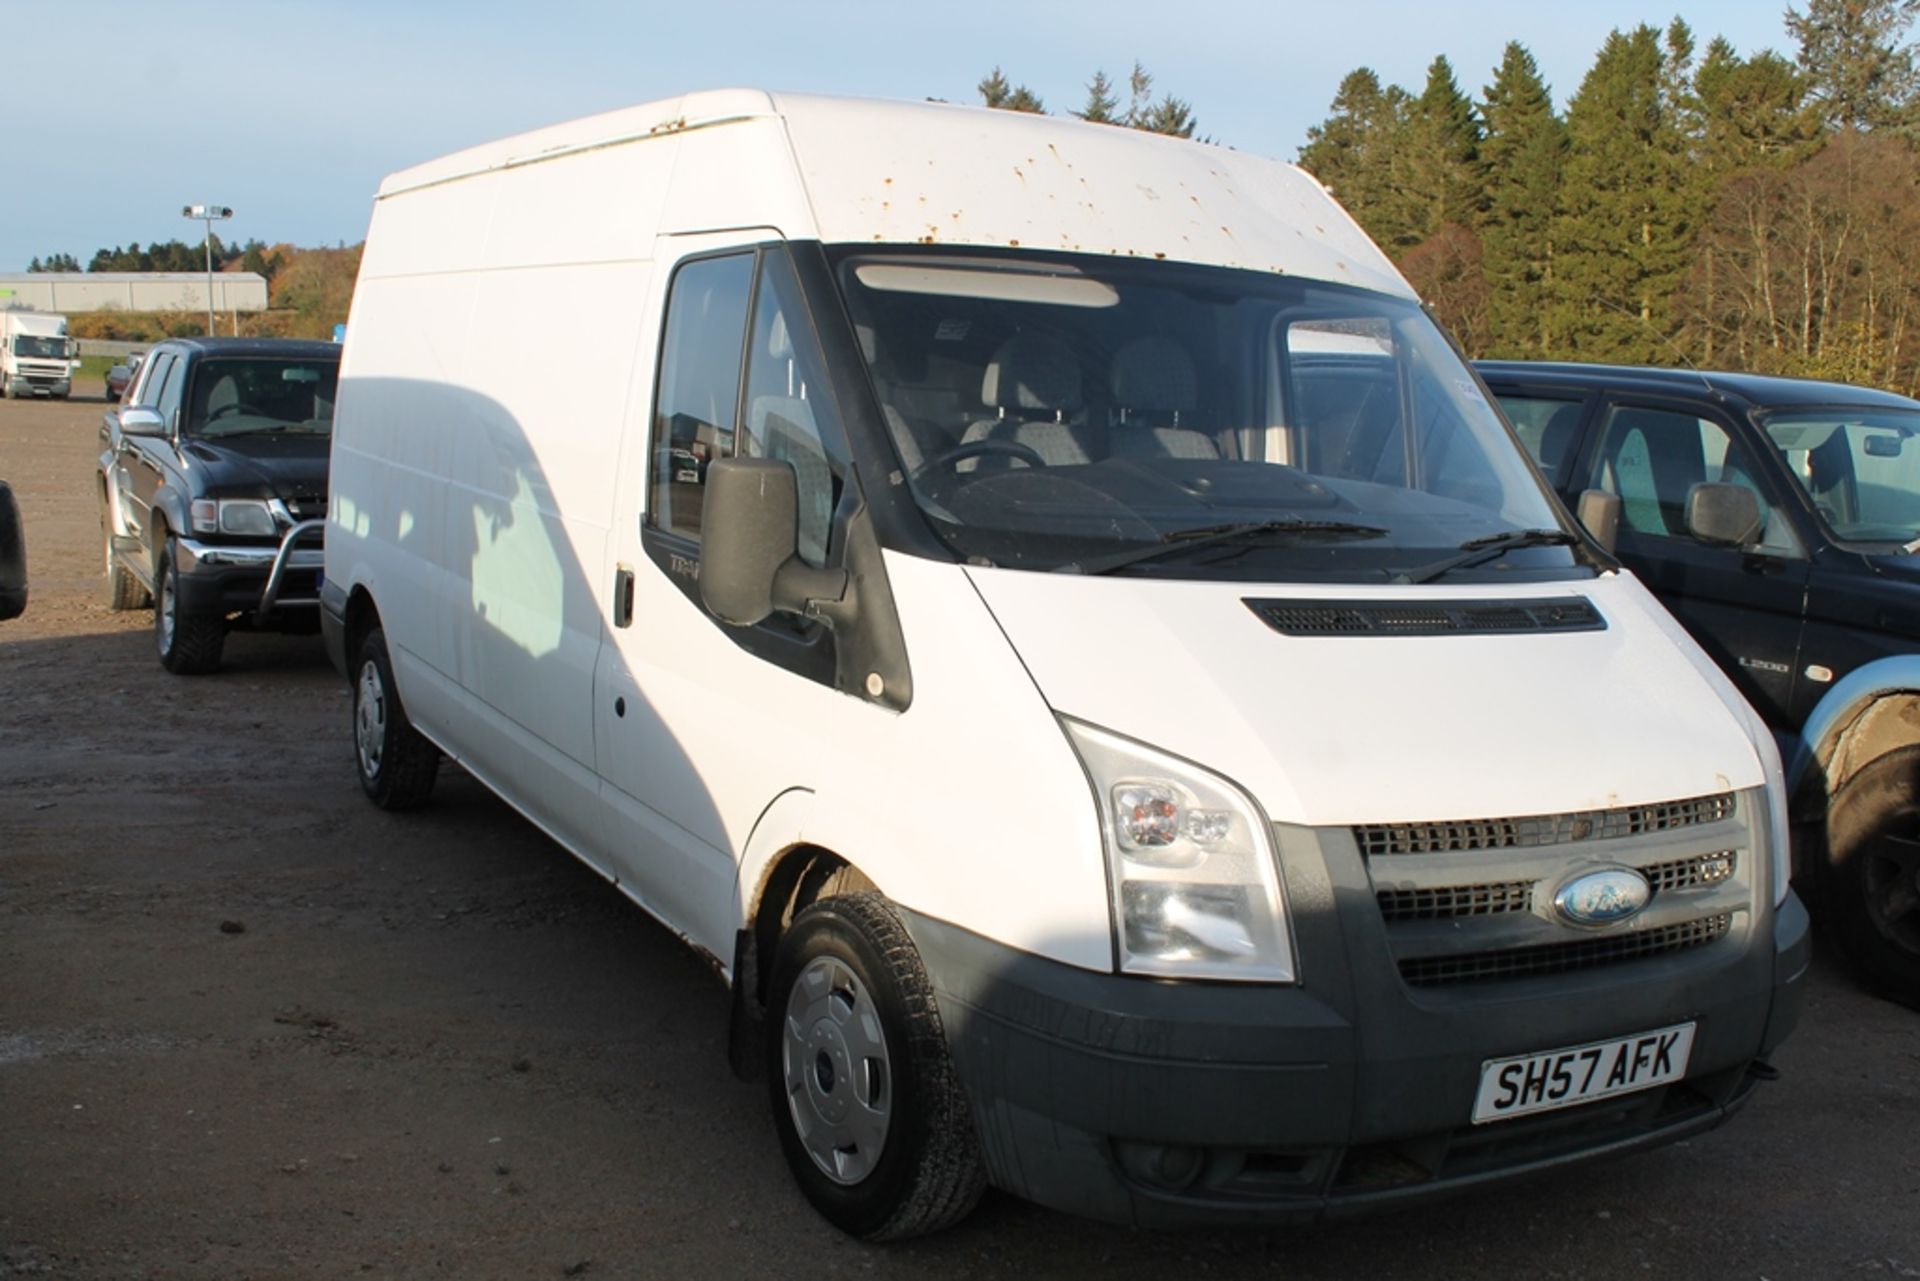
[1744, 605]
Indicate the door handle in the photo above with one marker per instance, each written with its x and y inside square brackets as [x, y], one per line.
[623, 596]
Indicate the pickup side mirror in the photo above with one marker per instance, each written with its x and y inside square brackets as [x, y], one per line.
[13, 557]
[749, 561]
[1724, 515]
[1599, 513]
[137, 420]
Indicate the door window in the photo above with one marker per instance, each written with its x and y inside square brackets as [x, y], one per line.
[153, 379]
[167, 403]
[786, 402]
[698, 409]
[1652, 459]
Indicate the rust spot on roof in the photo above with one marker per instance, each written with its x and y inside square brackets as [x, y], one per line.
[1014, 243]
[670, 126]
[1158, 254]
[887, 181]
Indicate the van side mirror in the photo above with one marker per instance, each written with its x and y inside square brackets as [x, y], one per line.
[1599, 514]
[137, 420]
[1724, 515]
[749, 560]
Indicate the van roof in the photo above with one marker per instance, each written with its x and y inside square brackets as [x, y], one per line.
[933, 173]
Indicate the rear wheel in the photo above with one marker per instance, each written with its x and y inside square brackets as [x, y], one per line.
[871, 1116]
[124, 591]
[1871, 884]
[396, 763]
[189, 643]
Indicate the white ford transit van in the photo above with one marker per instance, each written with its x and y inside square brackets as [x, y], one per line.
[1044, 610]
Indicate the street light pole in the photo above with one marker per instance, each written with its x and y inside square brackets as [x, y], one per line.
[208, 214]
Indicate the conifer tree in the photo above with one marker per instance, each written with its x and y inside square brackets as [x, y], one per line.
[1358, 152]
[1443, 155]
[1524, 151]
[997, 91]
[1623, 230]
[1753, 111]
[1861, 73]
[1101, 104]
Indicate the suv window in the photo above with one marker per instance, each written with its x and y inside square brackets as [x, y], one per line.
[1547, 426]
[697, 412]
[167, 402]
[153, 377]
[1652, 458]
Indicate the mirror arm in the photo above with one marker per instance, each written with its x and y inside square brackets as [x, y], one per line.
[820, 593]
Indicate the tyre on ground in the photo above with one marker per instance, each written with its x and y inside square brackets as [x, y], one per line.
[397, 764]
[1870, 883]
[189, 642]
[871, 1116]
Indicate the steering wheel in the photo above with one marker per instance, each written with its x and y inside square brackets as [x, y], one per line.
[235, 407]
[974, 449]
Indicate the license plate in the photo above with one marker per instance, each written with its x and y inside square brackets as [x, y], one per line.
[1581, 1073]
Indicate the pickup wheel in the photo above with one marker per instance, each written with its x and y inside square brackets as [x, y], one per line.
[124, 591]
[1871, 880]
[189, 643]
[871, 1117]
[396, 763]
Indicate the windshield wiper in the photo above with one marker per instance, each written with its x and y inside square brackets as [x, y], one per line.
[1200, 536]
[1476, 550]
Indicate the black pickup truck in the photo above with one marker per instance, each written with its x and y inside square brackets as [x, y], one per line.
[1778, 519]
[213, 490]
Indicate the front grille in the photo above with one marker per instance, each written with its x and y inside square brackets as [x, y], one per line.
[1428, 618]
[1540, 830]
[1560, 958]
[1448, 902]
[1690, 873]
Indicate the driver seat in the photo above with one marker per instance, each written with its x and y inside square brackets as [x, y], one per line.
[1033, 384]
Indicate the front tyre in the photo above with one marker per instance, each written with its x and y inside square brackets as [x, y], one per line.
[396, 763]
[871, 1116]
[189, 643]
[124, 591]
[1871, 885]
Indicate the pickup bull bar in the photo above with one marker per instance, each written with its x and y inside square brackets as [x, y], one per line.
[270, 597]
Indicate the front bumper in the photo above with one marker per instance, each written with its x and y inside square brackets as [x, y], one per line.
[221, 578]
[1162, 1104]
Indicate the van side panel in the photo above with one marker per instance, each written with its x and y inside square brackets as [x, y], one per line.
[475, 435]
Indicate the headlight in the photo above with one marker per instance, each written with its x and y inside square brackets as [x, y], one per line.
[1196, 888]
[236, 516]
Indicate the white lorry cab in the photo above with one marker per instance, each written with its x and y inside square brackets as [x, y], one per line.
[36, 356]
[1044, 610]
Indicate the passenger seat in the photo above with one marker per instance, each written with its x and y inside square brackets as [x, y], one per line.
[1156, 395]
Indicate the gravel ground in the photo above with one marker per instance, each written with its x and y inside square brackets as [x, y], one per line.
[252, 1027]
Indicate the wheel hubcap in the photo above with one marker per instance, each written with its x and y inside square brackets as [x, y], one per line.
[167, 610]
[838, 1074]
[369, 719]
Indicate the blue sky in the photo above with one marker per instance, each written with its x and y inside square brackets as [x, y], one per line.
[291, 111]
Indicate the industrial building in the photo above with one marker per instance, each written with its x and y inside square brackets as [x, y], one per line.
[73, 292]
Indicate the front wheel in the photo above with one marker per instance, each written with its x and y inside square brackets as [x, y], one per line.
[396, 763]
[871, 1116]
[189, 643]
[124, 591]
[1871, 880]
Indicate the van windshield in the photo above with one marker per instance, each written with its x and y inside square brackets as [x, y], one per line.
[45, 348]
[1100, 416]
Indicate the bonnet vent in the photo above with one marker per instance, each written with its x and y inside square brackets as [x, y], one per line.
[1428, 618]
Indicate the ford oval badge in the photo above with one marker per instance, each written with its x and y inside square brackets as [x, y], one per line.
[1605, 897]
